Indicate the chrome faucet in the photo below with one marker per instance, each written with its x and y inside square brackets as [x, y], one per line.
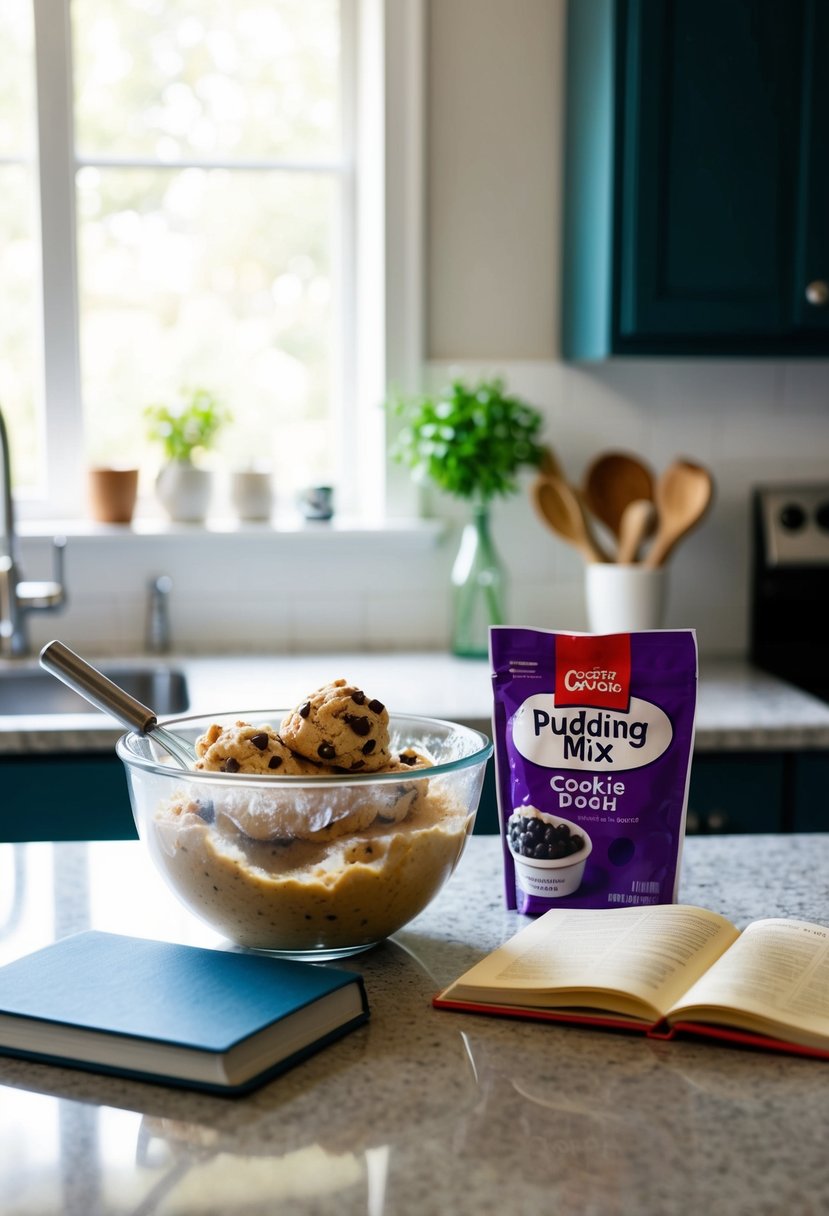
[158, 614]
[18, 598]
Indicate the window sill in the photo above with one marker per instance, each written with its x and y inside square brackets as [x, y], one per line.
[416, 532]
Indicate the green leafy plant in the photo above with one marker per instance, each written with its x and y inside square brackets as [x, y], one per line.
[469, 440]
[190, 424]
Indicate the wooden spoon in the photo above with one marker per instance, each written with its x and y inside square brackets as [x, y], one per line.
[683, 494]
[562, 509]
[637, 522]
[550, 465]
[612, 482]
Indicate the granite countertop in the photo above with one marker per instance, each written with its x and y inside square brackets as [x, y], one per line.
[739, 707]
[423, 1112]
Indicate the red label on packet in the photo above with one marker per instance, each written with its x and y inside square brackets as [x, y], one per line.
[593, 670]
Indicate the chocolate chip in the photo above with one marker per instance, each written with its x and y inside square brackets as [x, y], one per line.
[231, 765]
[376, 707]
[358, 697]
[305, 709]
[360, 726]
[206, 812]
[326, 751]
[275, 762]
[357, 765]
[260, 741]
[404, 759]
[369, 747]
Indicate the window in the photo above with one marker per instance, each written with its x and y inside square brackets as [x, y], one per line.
[195, 163]
[19, 261]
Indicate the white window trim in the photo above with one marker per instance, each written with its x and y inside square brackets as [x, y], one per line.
[387, 211]
[60, 353]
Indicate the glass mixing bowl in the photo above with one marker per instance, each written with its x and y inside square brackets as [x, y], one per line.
[317, 867]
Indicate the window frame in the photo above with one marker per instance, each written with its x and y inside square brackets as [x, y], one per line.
[381, 266]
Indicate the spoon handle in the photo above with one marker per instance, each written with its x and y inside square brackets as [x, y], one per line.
[96, 688]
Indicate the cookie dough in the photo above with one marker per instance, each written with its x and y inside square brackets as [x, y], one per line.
[248, 749]
[348, 892]
[340, 725]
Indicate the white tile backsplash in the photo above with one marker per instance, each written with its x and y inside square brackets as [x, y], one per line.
[255, 590]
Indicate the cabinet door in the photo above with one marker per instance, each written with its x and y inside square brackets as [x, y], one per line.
[810, 307]
[708, 159]
[735, 792]
[812, 793]
[64, 797]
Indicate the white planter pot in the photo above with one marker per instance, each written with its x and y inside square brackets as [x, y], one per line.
[184, 492]
[251, 494]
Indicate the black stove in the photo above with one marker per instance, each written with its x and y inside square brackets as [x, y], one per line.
[789, 629]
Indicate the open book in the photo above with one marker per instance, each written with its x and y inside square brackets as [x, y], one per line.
[664, 969]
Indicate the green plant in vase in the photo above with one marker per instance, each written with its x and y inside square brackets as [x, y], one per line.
[187, 427]
[471, 441]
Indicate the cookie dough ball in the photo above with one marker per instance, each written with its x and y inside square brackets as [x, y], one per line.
[341, 726]
[395, 802]
[247, 749]
[408, 758]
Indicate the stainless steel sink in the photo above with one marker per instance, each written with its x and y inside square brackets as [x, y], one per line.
[162, 689]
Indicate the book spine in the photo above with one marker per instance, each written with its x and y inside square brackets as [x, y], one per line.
[744, 1038]
[606, 1022]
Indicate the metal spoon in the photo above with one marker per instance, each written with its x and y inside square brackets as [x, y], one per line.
[85, 679]
[560, 507]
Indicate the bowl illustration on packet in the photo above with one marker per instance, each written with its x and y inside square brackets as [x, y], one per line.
[549, 852]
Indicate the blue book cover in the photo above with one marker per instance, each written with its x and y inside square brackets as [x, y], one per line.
[183, 1015]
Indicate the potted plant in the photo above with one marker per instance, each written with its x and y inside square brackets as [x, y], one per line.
[185, 428]
[470, 441]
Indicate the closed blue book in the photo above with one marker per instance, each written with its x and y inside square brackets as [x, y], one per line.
[181, 1015]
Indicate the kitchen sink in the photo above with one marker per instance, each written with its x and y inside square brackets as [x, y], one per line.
[162, 689]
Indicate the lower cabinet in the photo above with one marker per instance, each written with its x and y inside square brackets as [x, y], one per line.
[64, 797]
[85, 797]
[811, 786]
[736, 792]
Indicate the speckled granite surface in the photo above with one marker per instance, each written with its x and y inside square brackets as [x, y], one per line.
[739, 708]
[421, 1111]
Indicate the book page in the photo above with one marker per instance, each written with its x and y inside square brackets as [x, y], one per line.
[778, 971]
[577, 957]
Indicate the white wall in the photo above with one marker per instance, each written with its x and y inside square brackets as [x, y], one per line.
[493, 198]
[496, 77]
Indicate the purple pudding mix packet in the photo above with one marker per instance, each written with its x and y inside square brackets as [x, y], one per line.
[593, 741]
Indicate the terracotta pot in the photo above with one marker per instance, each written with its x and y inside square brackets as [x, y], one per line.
[112, 494]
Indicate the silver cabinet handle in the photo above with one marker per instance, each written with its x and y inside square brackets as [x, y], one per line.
[817, 293]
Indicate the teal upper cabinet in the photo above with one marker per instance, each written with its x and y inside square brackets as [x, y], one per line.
[696, 178]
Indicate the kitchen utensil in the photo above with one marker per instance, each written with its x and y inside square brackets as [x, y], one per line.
[550, 466]
[108, 697]
[611, 482]
[637, 522]
[682, 495]
[560, 506]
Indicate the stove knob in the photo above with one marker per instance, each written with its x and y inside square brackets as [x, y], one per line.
[822, 516]
[792, 517]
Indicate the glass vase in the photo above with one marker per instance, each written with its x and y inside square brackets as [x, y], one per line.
[478, 588]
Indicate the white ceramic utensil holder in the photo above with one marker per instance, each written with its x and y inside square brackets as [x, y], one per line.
[625, 598]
